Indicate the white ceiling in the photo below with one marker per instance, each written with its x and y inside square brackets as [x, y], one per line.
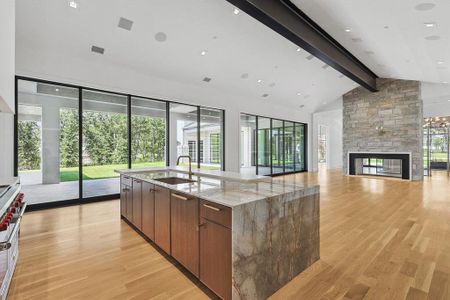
[235, 45]
[392, 34]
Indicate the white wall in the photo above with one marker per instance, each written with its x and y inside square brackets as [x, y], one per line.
[6, 145]
[436, 98]
[100, 74]
[7, 54]
[7, 72]
[333, 120]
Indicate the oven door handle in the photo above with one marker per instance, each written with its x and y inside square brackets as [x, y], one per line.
[7, 244]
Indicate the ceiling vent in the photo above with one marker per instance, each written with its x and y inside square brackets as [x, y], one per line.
[206, 79]
[125, 24]
[98, 50]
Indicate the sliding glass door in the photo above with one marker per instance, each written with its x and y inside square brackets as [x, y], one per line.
[248, 144]
[264, 146]
[300, 147]
[211, 138]
[148, 133]
[47, 141]
[289, 147]
[184, 134]
[277, 146]
[70, 139]
[105, 142]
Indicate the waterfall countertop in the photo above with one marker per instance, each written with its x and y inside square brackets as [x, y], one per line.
[227, 188]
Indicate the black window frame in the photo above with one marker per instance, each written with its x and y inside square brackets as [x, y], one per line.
[80, 89]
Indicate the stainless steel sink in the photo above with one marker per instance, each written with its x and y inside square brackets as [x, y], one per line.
[174, 180]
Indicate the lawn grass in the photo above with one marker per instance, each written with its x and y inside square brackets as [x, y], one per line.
[99, 172]
[107, 171]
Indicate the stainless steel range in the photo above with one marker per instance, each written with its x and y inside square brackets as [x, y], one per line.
[12, 208]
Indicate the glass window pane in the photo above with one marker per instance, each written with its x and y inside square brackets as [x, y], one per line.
[183, 133]
[247, 144]
[300, 163]
[289, 146]
[277, 147]
[264, 145]
[105, 142]
[211, 138]
[48, 141]
[148, 133]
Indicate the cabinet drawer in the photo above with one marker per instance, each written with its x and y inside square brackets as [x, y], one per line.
[125, 180]
[216, 213]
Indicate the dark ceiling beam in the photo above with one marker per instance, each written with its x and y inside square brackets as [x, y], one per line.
[288, 20]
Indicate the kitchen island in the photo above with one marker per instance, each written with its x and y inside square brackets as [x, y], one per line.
[244, 237]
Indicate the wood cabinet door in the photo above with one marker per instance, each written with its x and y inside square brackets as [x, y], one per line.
[129, 204]
[137, 203]
[215, 258]
[148, 210]
[162, 218]
[123, 200]
[184, 231]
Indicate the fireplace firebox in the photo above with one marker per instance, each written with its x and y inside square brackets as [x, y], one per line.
[397, 165]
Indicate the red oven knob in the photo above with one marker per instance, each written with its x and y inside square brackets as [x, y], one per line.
[12, 209]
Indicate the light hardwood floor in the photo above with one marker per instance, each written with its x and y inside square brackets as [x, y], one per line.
[380, 239]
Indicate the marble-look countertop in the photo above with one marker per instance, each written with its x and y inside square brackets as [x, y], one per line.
[226, 188]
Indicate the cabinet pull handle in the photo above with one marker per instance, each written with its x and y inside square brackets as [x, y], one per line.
[211, 207]
[125, 189]
[200, 225]
[180, 197]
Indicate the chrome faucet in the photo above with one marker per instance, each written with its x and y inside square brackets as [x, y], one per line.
[190, 164]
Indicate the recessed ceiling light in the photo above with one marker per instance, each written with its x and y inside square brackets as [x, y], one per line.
[341, 76]
[73, 4]
[56, 90]
[299, 94]
[259, 80]
[444, 82]
[299, 49]
[357, 40]
[432, 37]
[425, 6]
[203, 53]
[386, 27]
[440, 62]
[347, 29]
[429, 24]
[160, 37]
[244, 76]
[265, 95]
[301, 106]
[236, 11]
[309, 57]
[206, 79]
[325, 66]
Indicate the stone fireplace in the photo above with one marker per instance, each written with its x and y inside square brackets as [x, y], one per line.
[385, 122]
